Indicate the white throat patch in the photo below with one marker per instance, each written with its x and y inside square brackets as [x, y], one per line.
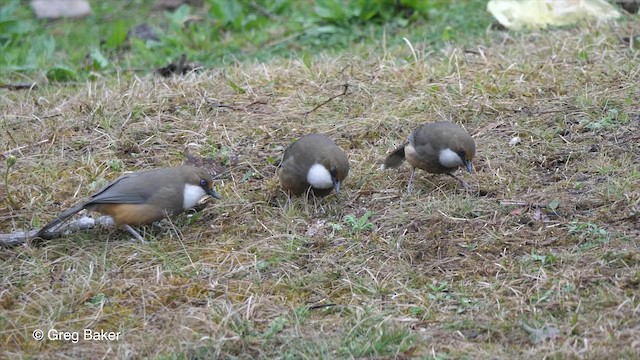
[192, 194]
[319, 177]
[448, 158]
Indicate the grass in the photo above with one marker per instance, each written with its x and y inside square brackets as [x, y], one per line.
[216, 33]
[540, 259]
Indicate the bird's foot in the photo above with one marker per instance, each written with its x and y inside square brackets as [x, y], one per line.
[409, 188]
[462, 183]
[134, 233]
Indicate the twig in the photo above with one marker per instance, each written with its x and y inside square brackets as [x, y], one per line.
[345, 88]
[314, 307]
[84, 223]
[238, 108]
[8, 152]
[226, 106]
[19, 86]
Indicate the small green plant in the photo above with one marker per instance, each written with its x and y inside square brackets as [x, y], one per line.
[465, 304]
[583, 56]
[417, 310]
[364, 11]
[61, 73]
[376, 336]
[611, 120]
[116, 165]
[276, 326]
[334, 227]
[241, 15]
[118, 34]
[301, 313]
[360, 224]
[97, 300]
[222, 155]
[439, 291]
[590, 234]
[544, 259]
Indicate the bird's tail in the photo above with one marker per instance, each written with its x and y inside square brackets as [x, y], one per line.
[395, 159]
[59, 220]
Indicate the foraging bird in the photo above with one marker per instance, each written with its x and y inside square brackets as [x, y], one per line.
[144, 197]
[314, 164]
[437, 148]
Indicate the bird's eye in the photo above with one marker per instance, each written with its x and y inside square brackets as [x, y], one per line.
[203, 182]
[461, 154]
[333, 172]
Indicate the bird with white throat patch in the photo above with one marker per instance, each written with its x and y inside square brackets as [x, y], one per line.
[141, 198]
[313, 164]
[437, 148]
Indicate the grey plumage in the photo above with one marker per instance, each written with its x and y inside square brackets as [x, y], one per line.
[437, 148]
[307, 151]
[141, 197]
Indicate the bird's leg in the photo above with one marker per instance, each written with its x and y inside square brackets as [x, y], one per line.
[288, 205]
[134, 233]
[462, 182]
[410, 184]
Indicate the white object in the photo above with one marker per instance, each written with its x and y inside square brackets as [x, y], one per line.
[536, 14]
[54, 9]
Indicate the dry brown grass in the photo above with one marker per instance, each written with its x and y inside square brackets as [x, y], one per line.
[443, 273]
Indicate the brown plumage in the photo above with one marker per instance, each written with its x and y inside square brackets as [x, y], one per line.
[144, 197]
[437, 148]
[314, 164]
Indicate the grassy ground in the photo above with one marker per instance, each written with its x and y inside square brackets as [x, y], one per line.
[136, 36]
[540, 259]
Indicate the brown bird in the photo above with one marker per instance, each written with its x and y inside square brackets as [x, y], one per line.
[313, 164]
[144, 197]
[437, 148]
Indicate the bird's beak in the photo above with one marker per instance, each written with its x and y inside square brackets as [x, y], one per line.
[468, 165]
[336, 185]
[214, 194]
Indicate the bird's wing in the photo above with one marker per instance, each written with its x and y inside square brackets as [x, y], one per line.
[121, 192]
[424, 141]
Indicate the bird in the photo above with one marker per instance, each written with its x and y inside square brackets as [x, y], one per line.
[437, 148]
[141, 198]
[313, 164]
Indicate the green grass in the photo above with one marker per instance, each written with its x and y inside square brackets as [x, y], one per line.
[220, 32]
[539, 259]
